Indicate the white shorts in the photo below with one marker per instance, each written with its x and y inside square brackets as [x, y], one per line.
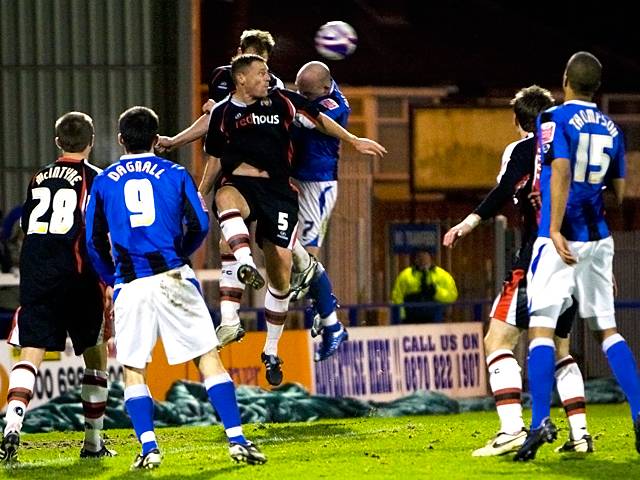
[553, 283]
[168, 305]
[316, 200]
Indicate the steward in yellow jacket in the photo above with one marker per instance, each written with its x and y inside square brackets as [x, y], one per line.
[423, 282]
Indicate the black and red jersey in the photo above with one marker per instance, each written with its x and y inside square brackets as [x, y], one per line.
[54, 247]
[221, 83]
[258, 134]
[515, 182]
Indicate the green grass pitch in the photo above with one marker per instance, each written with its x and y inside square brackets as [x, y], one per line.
[396, 448]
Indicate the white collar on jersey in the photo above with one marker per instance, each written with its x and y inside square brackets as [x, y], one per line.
[506, 156]
[137, 155]
[581, 102]
[237, 103]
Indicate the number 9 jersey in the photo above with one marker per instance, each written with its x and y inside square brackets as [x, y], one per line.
[54, 248]
[145, 217]
[578, 131]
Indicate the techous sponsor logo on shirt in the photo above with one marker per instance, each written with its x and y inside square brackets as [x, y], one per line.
[254, 119]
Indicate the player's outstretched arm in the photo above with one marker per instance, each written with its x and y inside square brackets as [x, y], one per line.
[198, 129]
[363, 145]
[368, 146]
[462, 229]
[491, 205]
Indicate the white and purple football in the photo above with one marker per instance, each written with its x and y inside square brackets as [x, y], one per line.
[336, 40]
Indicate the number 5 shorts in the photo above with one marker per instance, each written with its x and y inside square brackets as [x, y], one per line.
[167, 305]
[272, 204]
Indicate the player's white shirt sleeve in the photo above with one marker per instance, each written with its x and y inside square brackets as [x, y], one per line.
[304, 121]
[506, 156]
[279, 83]
[92, 166]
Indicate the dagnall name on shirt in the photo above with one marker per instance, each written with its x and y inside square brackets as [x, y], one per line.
[135, 166]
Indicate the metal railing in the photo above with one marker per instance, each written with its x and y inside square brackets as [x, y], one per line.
[585, 349]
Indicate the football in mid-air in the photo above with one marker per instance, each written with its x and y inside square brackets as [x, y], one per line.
[336, 40]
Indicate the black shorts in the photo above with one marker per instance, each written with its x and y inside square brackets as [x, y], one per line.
[565, 321]
[74, 307]
[272, 205]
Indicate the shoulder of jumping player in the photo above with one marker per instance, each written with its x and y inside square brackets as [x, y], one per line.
[221, 83]
[275, 81]
[219, 110]
[522, 155]
[290, 97]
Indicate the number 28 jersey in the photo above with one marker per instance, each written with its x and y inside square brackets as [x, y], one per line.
[593, 143]
[54, 248]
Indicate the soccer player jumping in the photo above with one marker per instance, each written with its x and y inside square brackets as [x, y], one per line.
[249, 143]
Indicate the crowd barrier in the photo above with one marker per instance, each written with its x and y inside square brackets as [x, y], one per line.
[377, 363]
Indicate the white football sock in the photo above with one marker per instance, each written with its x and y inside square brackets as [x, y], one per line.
[21, 383]
[276, 305]
[231, 290]
[570, 387]
[506, 384]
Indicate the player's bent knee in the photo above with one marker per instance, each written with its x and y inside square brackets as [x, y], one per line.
[602, 335]
[541, 332]
[224, 247]
[562, 347]
[96, 357]
[500, 335]
[134, 376]
[230, 198]
[210, 363]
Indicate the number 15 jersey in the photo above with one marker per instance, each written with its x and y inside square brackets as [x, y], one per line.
[580, 132]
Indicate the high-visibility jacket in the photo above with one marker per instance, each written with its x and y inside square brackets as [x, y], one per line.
[409, 285]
